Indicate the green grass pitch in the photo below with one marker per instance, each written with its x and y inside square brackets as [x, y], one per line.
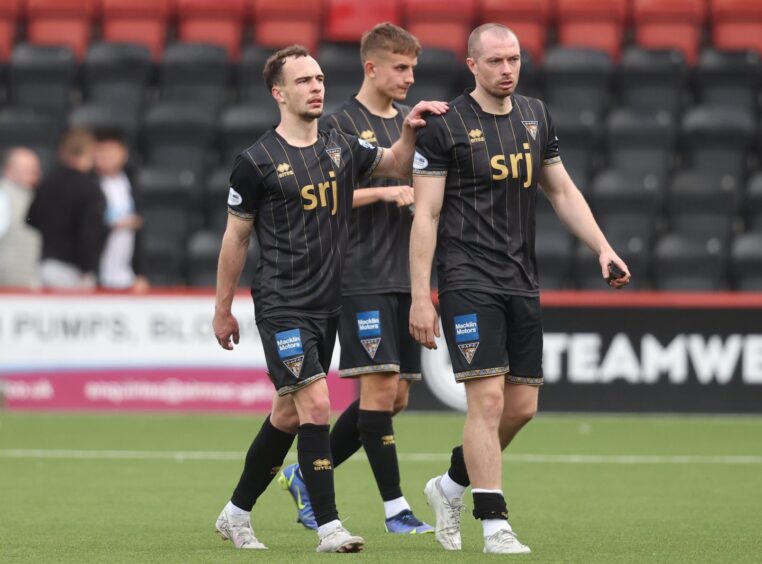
[118, 488]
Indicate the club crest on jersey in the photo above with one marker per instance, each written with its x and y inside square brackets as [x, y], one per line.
[290, 350]
[335, 154]
[369, 331]
[284, 169]
[531, 127]
[369, 135]
[476, 135]
[467, 335]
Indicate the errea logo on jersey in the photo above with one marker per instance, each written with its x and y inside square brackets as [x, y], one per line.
[476, 135]
[369, 135]
[284, 169]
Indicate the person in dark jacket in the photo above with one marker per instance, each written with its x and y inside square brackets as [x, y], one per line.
[69, 212]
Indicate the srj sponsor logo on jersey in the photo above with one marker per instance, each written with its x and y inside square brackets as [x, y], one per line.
[291, 350]
[369, 330]
[467, 335]
[310, 195]
[504, 166]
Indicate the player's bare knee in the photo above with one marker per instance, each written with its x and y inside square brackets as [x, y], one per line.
[400, 403]
[285, 420]
[487, 407]
[378, 392]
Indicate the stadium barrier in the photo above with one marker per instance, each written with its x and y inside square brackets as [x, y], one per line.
[647, 352]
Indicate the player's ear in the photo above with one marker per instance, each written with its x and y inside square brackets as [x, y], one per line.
[370, 68]
[277, 94]
[471, 65]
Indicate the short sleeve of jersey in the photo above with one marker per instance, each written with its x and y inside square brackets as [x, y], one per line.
[366, 155]
[432, 150]
[246, 189]
[551, 155]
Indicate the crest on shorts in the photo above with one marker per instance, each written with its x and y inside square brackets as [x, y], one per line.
[369, 331]
[335, 154]
[531, 127]
[290, 350]
[467, 335]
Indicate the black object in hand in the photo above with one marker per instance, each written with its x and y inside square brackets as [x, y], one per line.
[614, 272]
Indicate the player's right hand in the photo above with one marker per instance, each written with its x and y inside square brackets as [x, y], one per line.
[424, 323]
[400, 195]
[226, 329]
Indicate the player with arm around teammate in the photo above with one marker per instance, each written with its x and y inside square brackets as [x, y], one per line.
[293, 188]
[376, 345]
[476, 177]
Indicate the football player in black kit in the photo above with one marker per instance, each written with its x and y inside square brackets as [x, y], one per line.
[376, 346]
[293, 188]
[476, 175]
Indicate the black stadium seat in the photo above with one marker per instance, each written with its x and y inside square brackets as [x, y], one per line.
[553, 250]
[117, 74]
[729, 78]
[203, 251]
[578, 79]
[215, 198]
[27, 128]
[684, 263]
[42, 77]
[717, 139]
[435, 76]
[703, 204]
[653, 79]
[627, 205]
[241, 126]
[251, 85]
[579, 133]
[179, 135]
[170, 186]
[746, 262]
[196, 73]
[104, 116]
[753, 203]
[641, 142]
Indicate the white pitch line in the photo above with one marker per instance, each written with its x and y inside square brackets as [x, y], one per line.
[403, 457]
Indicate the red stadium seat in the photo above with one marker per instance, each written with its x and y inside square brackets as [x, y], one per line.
[347, 20]
[218, 22]
[463, 11]
[9, 14]
[596, 24]
[278, 23]
[452, 36]
[61, 22]
[275, 34]
[669, 24]
[529, 19]
[280, 9]
[737, 24]
[137, 21]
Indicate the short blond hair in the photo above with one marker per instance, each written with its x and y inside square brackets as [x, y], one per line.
[390, 38]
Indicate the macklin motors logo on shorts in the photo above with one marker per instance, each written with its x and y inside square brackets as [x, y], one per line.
[467, 335]
[321, 464]
[369, 331]
[290, 350]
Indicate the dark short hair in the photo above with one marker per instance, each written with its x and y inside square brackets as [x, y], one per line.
[273, 71]
[116, 135]
[76, 143]
[391, 38]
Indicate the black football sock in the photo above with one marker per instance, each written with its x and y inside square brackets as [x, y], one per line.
[263, 460]
[457, 470]
[377, 435]
[316, 465]
[345, 436]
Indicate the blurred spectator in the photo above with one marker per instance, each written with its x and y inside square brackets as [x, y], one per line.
[69, 212]
[19, 243]
[119, 264]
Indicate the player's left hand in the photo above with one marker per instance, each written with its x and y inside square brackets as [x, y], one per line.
[609, 256]
[415, 118]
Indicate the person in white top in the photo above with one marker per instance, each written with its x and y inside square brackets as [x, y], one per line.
[117, 259]
[20, 243]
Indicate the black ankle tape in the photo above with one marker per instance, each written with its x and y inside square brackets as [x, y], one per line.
[489, 506]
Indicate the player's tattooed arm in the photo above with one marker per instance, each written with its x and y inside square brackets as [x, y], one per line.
[572, 209]
[235, 244]
[429, 195]
[397, 161]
